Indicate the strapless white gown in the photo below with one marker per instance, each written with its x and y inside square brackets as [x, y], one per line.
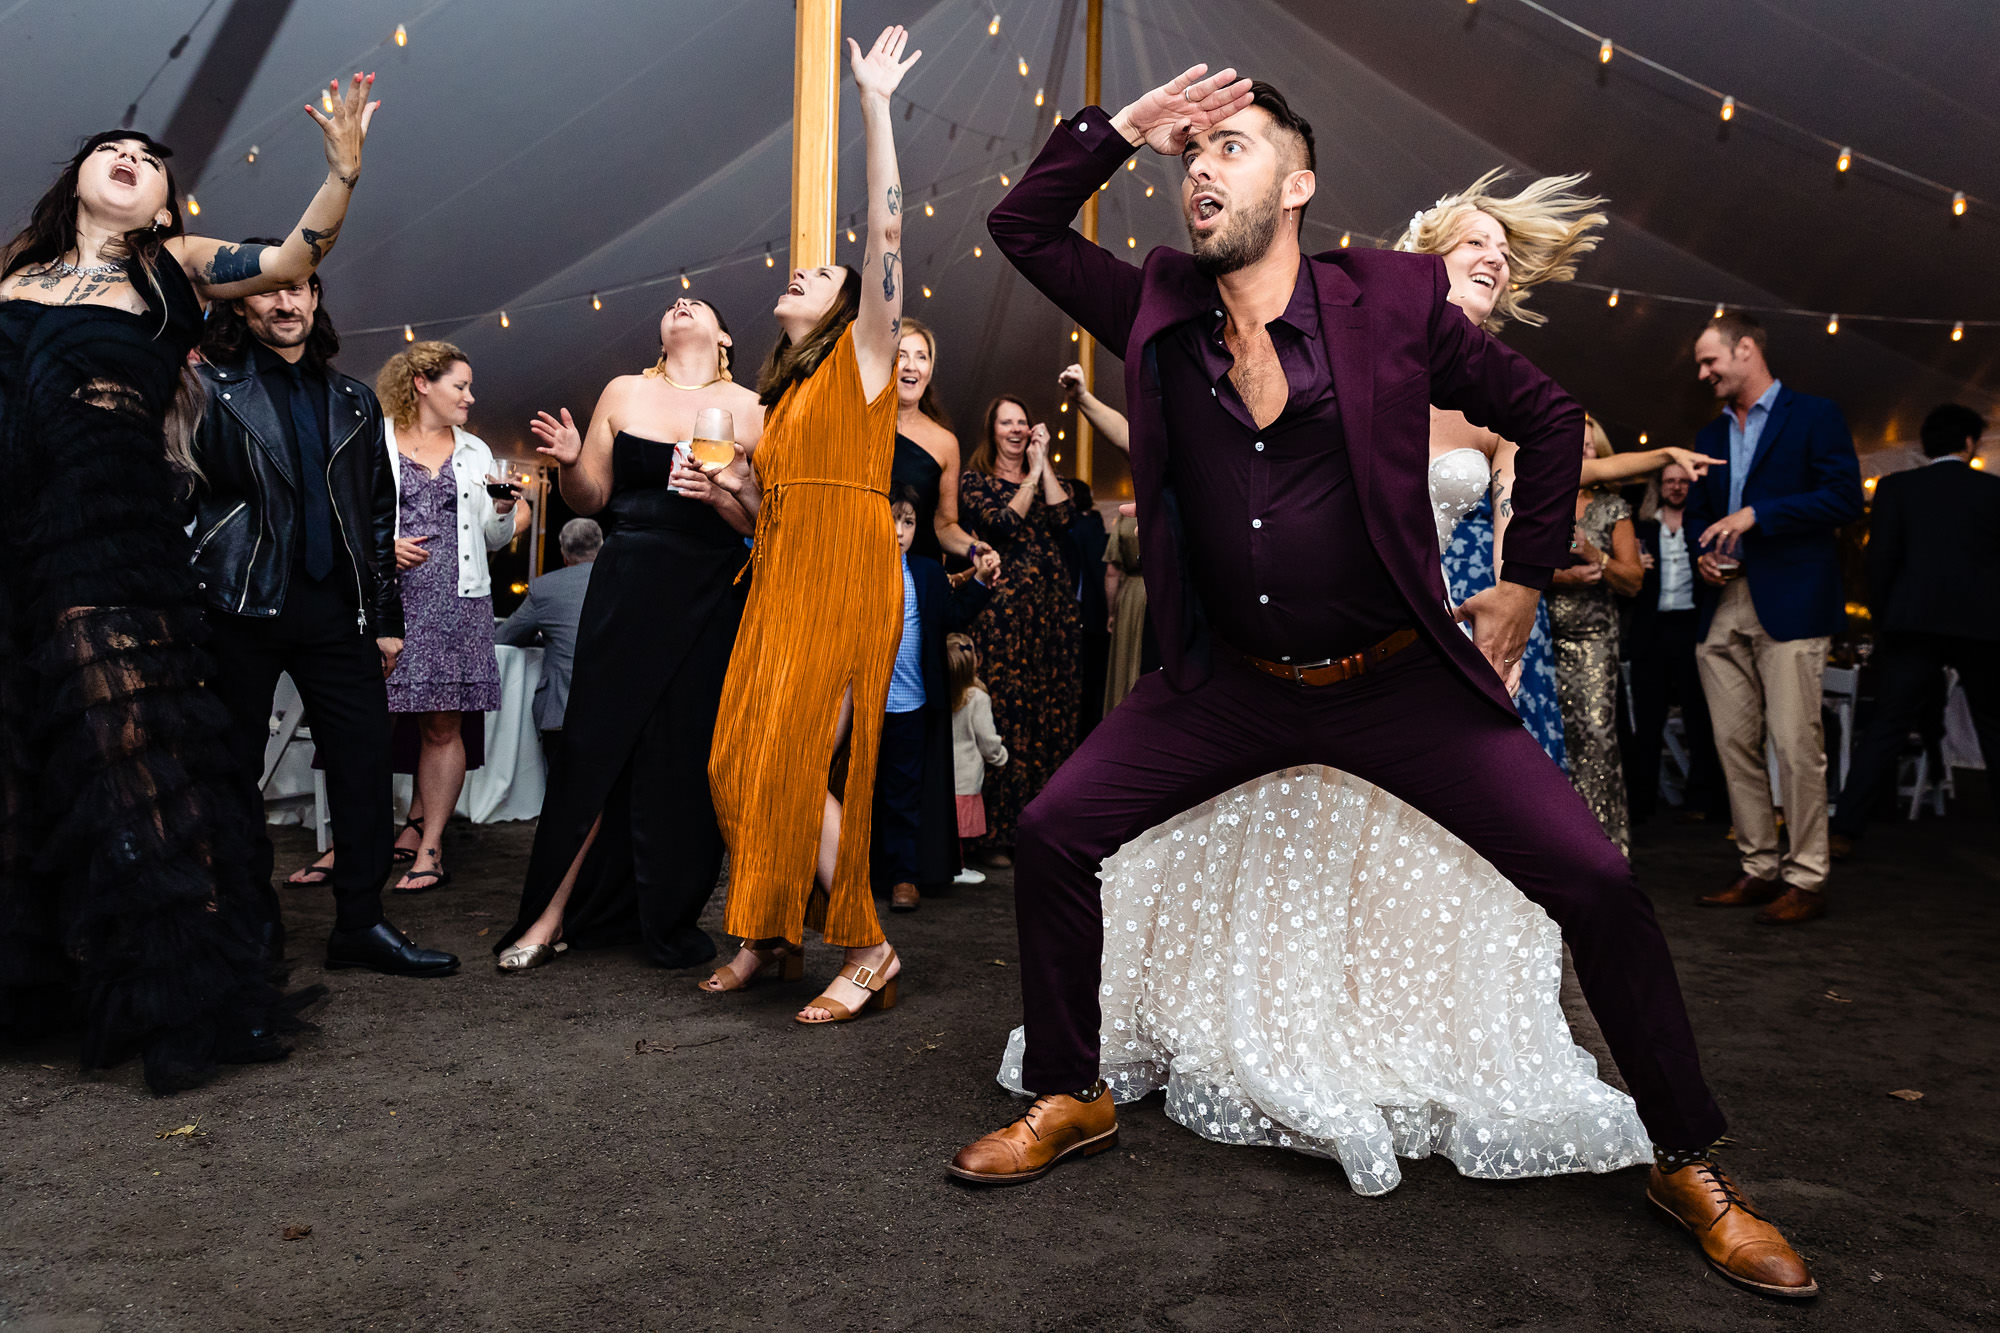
[1305, 962]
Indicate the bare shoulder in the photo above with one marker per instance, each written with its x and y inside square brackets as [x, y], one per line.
[1450, 431]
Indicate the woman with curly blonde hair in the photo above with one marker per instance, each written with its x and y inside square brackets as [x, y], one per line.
[446, 522]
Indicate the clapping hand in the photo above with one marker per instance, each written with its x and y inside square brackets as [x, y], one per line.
[1038, 452]
[559, 439]
[1188, 104]
[883, 67]
[347, 128]
[986, 565]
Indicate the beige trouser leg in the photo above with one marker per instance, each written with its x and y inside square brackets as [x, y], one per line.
[1755, 684]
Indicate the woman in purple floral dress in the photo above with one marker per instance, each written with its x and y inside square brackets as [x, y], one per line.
[446, 523]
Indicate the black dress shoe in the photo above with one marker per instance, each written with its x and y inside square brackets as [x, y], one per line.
[386, 949]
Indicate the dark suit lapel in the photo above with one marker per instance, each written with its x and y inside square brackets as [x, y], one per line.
[1343, 326]
[1774, 425]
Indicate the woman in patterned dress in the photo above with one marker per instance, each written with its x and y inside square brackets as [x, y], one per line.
[446, 522]
[1583, 613]
[1031, 634]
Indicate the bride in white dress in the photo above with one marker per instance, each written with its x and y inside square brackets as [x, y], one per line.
[1305, 962]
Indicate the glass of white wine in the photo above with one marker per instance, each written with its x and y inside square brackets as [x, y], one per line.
[714, 444]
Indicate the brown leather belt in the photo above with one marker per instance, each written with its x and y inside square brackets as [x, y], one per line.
[1333, 670]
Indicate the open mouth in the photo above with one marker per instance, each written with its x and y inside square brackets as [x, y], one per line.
[1485, 280]
[796, 289]
[125, 174]
[1206, 208]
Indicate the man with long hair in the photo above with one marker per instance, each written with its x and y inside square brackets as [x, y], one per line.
[1280, 449]
[295, 522]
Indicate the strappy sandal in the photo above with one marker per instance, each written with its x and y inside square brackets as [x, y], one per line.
[403, 856]
[881, 993]
[310, 877]
[437, 877]
[788, 958]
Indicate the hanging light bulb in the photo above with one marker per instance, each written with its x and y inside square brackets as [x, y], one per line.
[1604, 52]
[1845, 160]
[1718, 311]
[1004, 180]
[1958, 203]
[1131, 164]
[993, 28]
[1149, 192]
[1061, 435]
[326, 102]
[1131, 242]
[978, 252]
[1729, 108]
[1612, 300]
[929, 211]
[927, 293]
[1346, 239]
[503, 319]
[1062, 407]
[1074, 336]
[1958, 332]
[409, 334]
[770, 260]
[402, 35]
[685, 284]
[1024, 67]
[596, 301]
[1642, 437]
[1833, 323]
[251, 156]
[850, 235]
[1038, 97]
[193, 207]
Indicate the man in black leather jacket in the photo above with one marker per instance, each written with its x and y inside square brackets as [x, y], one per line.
[294, 550]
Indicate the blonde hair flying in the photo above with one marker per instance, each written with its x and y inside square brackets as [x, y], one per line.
[1548, 226]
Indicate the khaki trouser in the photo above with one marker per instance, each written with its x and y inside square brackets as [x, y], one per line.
[1755, 684]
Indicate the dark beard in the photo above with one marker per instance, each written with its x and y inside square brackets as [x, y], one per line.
[270, 337]
[1242, 241]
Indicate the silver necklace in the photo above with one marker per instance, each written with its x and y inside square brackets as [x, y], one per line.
[62, 268]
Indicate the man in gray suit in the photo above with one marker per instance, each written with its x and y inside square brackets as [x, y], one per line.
[553, 607]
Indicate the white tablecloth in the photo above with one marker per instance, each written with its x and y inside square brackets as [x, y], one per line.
[510, 786]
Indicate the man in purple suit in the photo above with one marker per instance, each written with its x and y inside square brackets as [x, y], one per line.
[1280, 409]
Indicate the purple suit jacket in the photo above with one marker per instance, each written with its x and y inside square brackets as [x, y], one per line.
[1396, 347]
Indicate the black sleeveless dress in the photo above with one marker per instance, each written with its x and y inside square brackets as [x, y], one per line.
[914, 467]
[125, 902]
[652, 650]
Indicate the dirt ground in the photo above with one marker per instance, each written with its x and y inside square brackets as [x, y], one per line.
[491, 1152]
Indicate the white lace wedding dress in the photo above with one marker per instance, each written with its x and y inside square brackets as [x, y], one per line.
[1305, 962]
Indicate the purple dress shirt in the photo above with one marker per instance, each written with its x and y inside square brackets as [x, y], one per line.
[1278, 547]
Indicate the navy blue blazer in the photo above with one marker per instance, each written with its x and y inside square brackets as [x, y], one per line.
[1804, 483]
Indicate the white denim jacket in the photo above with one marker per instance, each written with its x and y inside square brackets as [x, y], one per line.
[471, 462]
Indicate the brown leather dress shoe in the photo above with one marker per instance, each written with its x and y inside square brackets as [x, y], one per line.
[1747, 891]
[1054, 1127]
[903, 898]
[1737, 1243]
[1795, 906]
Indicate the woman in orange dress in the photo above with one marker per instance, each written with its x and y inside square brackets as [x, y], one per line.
[801, 715]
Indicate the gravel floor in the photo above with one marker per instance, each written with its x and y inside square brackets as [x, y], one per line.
[598, 1146]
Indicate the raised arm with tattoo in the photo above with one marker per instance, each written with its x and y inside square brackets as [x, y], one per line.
[876, 328]
[225, 272]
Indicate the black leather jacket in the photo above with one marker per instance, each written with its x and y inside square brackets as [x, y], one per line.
[246, 505]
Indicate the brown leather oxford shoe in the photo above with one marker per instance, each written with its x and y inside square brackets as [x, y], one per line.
[1795, 906]
[903, 897]
[1737, 1243]
[1055, 1127]
[1747, 891]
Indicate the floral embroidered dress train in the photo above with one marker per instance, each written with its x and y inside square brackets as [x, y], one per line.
[1306, 962]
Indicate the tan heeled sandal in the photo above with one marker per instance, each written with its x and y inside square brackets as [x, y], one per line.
[788, 958]
[881, 993]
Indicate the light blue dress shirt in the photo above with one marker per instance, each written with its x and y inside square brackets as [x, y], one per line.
[1743, 441]
[906, 681]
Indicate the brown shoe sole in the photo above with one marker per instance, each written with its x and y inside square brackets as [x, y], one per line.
[1761, 1288]
[1088, 1147]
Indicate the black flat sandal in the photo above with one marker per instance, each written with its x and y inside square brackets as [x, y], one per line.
[403, 856]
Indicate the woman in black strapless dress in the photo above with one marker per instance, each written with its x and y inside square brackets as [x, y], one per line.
[926, 450]
[126, 904]
[653, 646]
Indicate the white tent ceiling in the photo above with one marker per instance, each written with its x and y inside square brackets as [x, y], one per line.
[528, 154]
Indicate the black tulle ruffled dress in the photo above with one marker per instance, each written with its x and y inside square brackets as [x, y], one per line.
[125, 906]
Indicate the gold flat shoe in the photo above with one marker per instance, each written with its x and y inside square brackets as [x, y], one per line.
[521, 957]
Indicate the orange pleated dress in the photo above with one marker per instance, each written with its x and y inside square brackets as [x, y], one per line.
[825, 612]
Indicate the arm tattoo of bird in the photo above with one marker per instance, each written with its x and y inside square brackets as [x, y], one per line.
[319, 242]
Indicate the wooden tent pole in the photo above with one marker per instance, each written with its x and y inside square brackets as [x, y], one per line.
[815, 131]
[1093, 77]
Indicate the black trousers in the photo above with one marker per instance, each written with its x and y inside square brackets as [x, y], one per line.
[1664, 674]
[899, 793]
[1908, 671]
[338, 671]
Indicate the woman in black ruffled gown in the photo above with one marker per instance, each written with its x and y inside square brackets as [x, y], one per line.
[125, 903]
[627, 849]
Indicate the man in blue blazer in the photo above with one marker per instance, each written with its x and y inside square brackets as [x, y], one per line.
[1764, 528]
